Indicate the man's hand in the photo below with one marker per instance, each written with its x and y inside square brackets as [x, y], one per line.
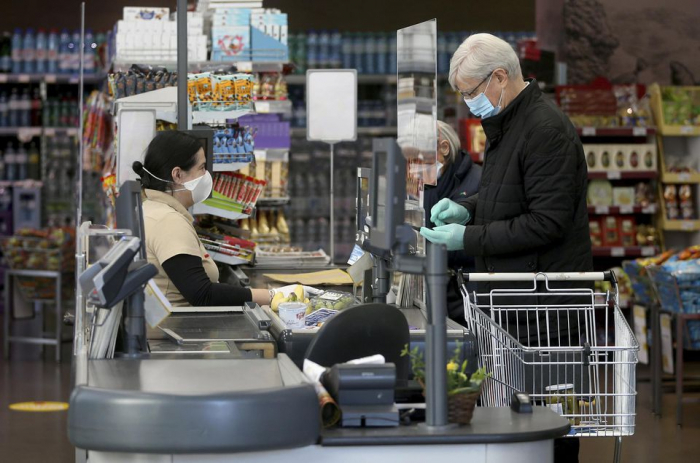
[447, 211]
[451, 235]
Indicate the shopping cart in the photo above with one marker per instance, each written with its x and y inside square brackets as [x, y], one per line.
[571, 349]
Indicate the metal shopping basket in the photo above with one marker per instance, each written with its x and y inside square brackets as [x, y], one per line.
[569, 347]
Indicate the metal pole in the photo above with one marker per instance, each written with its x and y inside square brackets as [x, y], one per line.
[182, 64]
[79, 213]
[436, 337]
[332, 207]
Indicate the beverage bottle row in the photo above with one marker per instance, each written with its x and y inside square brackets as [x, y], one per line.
[20, 162]
[41, 52]
[371, 53]
[20, 108]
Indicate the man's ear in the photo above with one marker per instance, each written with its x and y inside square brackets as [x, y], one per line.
[501, 76]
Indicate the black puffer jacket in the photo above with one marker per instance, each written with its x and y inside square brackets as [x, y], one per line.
[530, 213]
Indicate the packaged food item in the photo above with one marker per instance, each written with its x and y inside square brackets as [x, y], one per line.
[596, 232]
[562, 399]
[628, 231]
[243, 88]
[623, 196]
[205, 93]
[334, 300]
[600, 193]
[611, 232]
[671, 200]
[293, 314]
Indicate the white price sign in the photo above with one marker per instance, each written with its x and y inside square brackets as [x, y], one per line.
[688, 226]
[687, 129]
[49, 132]
[617, 252]
[684, 177]
[648, 251]
[626, 209]
[262, 107]
[3, 78]
[23, 78]
[651, 209]
[50, 78]
[602, 210]
[588, 131]
[244, 66]
[614, 175]
[639, 131]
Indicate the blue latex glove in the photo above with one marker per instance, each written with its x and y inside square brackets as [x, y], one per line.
[447, 211]
[451, 235]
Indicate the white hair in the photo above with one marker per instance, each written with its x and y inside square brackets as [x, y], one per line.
[449, 134]
[479, 56]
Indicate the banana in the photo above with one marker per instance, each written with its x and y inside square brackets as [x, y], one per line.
[279, 297]
[299, 291]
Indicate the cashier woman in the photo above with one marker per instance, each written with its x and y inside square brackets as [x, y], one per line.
[174, 178]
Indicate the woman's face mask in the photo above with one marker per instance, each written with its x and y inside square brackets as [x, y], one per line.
[199, 187]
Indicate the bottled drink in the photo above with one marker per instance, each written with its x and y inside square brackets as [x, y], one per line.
[13, 107]
[312, 50]
[442, 57]
[90, 49]
[10, 174]
[33, 167]
[56, 113]
[17, 51]
[370, 54]
[74, 44]
[21, 162]
[100, 51]
[29, 52]
[4, 111]
[301, 53]
[65, 114]
[382, 66]
[25, 109]
[358, 50]
[36, 108]
[52, 47]
[392, 54]
[347, 55]
[6, 53]
[64, 52]
[336, 46]
[41, 51]
[323, 50]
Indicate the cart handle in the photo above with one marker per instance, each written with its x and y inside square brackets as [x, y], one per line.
[554, 276]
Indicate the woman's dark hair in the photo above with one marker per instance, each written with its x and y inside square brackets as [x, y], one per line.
[168, 150]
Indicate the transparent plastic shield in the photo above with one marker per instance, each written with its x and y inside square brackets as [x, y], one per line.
[416, 99]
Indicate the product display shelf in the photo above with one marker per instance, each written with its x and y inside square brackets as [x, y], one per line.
[203, 208]
[196, 66]
[621, 251]
[229, 166]
[273, 107]
[376, 131]
[681, 178]
[623, 210]
[29, 132]
[665, 129]
[616, 131]
[272, 203]
[226, 259]
[50, 78]
[624, 175]
[213, 117]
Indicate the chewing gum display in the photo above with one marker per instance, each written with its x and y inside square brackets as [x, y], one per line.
[239, 188]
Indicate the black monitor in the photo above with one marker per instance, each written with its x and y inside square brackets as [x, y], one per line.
[206, 138]
[387, 192]
[362, 201]
[129, 212]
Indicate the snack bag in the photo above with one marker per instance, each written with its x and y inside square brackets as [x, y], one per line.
[205, 93]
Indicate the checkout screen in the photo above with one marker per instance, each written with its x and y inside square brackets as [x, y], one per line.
[379, 215]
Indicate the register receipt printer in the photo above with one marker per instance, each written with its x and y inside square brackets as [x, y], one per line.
[365, 394]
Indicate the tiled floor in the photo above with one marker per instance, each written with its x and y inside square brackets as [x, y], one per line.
[41, 437]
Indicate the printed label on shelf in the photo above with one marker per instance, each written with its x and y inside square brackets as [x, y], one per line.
[686, 129]
[626, 209]
[50, 132]
[602, 210]
[262, 107]
[23, 78]
[74, 80]
[649, 209]
[639, 131]
[50, 78]
[684, 177]
[648, 251]
[588, 131]
[3, 78]
[614, 175]
[687, 225]
[244, 66]
[617, 252]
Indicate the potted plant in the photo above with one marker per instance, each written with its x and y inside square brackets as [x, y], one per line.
[462, 390]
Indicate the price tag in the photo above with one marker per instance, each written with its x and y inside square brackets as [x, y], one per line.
[245, 66]
[649, 209]
[74, 80]
[602, 210]
[688, 225]
[50, 78]
[50, 132]
[648, 251]
[639, 131]
[588, 131]
[687, 129]
[3, 78]
[617, 252]
[262, 107]
[684, 177]
[626, 209]
[25, 134]
[614, 175]
[23, 78]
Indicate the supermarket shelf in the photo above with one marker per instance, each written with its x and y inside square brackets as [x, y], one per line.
[622, 174]
[50, 78]
[370, 79]
[28, 132]
[229, 166]
[670, 177]
[616, 131]
[21, 183]
[680, 225]
[202, 208]
[619, 251]
[367, 131]
[264, 203]
[622, 210]
[680, 130]
[194, 66]
[205, 117]
[226, 259]
[273, 107]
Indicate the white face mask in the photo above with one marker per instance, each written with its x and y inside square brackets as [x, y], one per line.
[200, 188]
[439, 167]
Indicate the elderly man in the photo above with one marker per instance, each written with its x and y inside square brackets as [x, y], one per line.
[530, 212]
